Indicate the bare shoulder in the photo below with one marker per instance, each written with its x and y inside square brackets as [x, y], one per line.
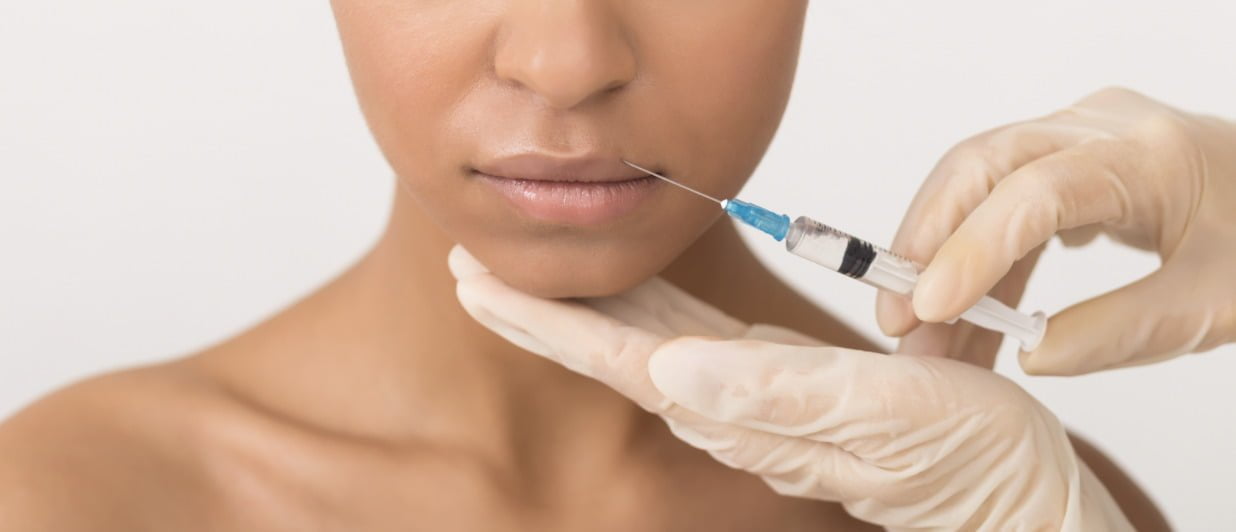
[87, 456]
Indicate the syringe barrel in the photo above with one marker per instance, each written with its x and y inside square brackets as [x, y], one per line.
[883, 269]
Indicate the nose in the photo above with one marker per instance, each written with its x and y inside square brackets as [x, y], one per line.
[565, 51]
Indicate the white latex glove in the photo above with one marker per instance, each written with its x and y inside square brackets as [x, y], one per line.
[901, 441]
[1118, 162]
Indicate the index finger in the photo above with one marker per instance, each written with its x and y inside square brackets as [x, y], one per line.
[1071, 188]
[959, 183]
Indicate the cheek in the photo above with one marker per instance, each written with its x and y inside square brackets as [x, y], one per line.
[410, 63]
[725, 95]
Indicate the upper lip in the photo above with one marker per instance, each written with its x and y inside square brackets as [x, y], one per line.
[541, 167]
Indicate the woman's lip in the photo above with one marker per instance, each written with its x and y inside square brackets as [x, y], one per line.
[573, 202]
[535, 166]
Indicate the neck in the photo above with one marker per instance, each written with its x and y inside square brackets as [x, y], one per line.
[390, 354]
[407, 290]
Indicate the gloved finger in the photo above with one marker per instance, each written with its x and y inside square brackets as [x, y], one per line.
[965, 341]
[790, 466]
[571, 334]
[956, 186]
[825, 394]
[611, 344]
[937, 339]
[752, 451]
[1131, 325]
[463, 264]
[880, 408]
[1067, 189]
[1080, 236]
[524, 320]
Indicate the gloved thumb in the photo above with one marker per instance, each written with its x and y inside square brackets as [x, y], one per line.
[1149, 320]
[791, 390]
[775, 405]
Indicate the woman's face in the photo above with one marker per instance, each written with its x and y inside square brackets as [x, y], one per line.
[507, 120]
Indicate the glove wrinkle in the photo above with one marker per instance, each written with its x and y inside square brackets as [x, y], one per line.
[1116, 162]
[910, 443]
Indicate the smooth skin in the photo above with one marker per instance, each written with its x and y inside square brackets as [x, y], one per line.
[377, 403]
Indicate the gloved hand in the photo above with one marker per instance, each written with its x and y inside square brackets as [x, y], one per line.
[1144, 173]
[901, 441]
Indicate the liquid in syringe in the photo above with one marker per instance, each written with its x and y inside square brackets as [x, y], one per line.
[876, 266]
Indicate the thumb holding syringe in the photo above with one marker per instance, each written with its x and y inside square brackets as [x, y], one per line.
[1146, 174]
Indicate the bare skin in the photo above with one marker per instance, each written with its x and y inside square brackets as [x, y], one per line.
[377, 404]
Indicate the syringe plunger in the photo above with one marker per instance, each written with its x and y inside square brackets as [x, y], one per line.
[873, 265]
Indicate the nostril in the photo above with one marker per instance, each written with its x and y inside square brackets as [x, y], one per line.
[566, 57]
[616, 85]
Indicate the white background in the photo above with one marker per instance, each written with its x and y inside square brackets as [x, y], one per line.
[173, 172]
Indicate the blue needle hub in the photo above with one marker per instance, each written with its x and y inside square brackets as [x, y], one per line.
[776, 225]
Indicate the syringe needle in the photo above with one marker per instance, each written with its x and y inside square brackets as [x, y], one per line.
[672, 182]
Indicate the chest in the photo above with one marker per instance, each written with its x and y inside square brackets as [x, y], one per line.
[454, 495]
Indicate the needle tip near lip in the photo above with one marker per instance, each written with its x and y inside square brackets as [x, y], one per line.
[672, 182]
[636, 166]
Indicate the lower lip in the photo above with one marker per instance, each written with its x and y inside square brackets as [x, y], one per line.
[573, 202]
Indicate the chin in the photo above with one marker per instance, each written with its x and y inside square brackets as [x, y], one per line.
[560, 285]
[559, 272]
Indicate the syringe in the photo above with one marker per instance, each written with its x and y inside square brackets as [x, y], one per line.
[876, 266]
